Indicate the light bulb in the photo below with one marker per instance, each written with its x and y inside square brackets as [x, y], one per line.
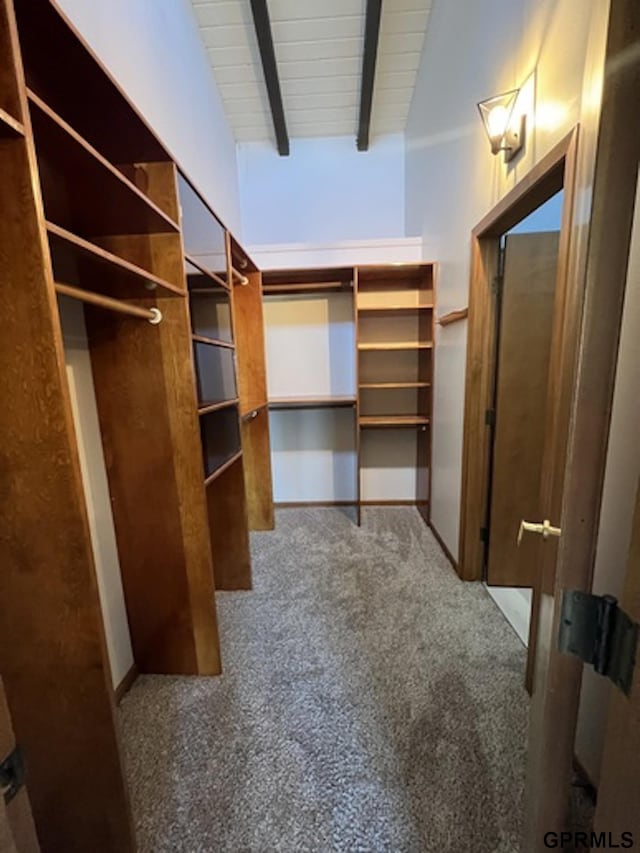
[497, 121]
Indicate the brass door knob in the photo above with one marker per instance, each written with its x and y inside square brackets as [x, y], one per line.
[545, 529]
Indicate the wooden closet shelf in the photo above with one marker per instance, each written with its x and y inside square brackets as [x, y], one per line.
[208, 274]
[393, 421]
[305, 287]
[101, 199]
[213, 342]
[393, 309]
[222, 468]
[311, 402]
[206, 408]
[10, 126]
[399, 345]
[100, 259]
[380, 386]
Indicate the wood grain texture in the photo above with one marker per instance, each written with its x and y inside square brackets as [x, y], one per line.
[605, 182]
[526, 321]
[52, 650]
[42, 25]
[619, 789]
[249, 336]
[257, 470]
[10, 101]
[101, 270]
[17, 829]
[228, 526]
[147, 404]
[9, 126]
[478, 398]
[73, 174]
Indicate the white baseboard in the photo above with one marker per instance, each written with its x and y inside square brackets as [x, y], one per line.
[515, 605]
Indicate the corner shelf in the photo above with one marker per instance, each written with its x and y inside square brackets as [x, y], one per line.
[389, 421]
[112, 271]
[311, 402]
[10, 127]
[87, 175]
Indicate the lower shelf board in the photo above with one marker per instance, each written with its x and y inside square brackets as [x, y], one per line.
[392, 421]
[222, 468]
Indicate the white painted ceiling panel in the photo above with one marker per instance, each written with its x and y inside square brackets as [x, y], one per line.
[319, 47]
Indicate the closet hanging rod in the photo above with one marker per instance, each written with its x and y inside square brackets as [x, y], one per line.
[153, 315]
[244, 281]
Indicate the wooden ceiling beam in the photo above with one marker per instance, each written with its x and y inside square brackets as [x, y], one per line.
[262, 26]
[371, 39]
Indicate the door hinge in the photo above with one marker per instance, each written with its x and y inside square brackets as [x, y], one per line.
[490, 417]
[12, 774]
[595, 629]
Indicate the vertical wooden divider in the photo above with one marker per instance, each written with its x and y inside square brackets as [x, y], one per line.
[53, 656]
[147, 404]
[358, 392]
[249, 336]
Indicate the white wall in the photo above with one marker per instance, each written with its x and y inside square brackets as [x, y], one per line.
[154, 50]
[326, 191]
[310, 348]
[94, 475]
[479, 49]
[618, 500]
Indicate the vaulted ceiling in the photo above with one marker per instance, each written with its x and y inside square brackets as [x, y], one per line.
[319, 54]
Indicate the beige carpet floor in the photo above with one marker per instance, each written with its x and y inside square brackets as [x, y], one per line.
[370, 702]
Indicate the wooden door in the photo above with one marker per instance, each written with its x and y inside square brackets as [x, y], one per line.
[530, 269]
[17, 831]
[619, 790]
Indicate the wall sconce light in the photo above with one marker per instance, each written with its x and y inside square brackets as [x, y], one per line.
[505, 130]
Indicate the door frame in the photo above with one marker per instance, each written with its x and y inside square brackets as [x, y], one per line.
[554, 172]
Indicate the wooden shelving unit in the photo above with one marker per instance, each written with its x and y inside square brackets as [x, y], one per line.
[395, 339]
[393, 322]
[89, 210]
[207, 268]
[103, 271]
[74, 174]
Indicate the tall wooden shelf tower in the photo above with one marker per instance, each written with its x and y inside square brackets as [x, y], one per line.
[391, 398]
[92, 207]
